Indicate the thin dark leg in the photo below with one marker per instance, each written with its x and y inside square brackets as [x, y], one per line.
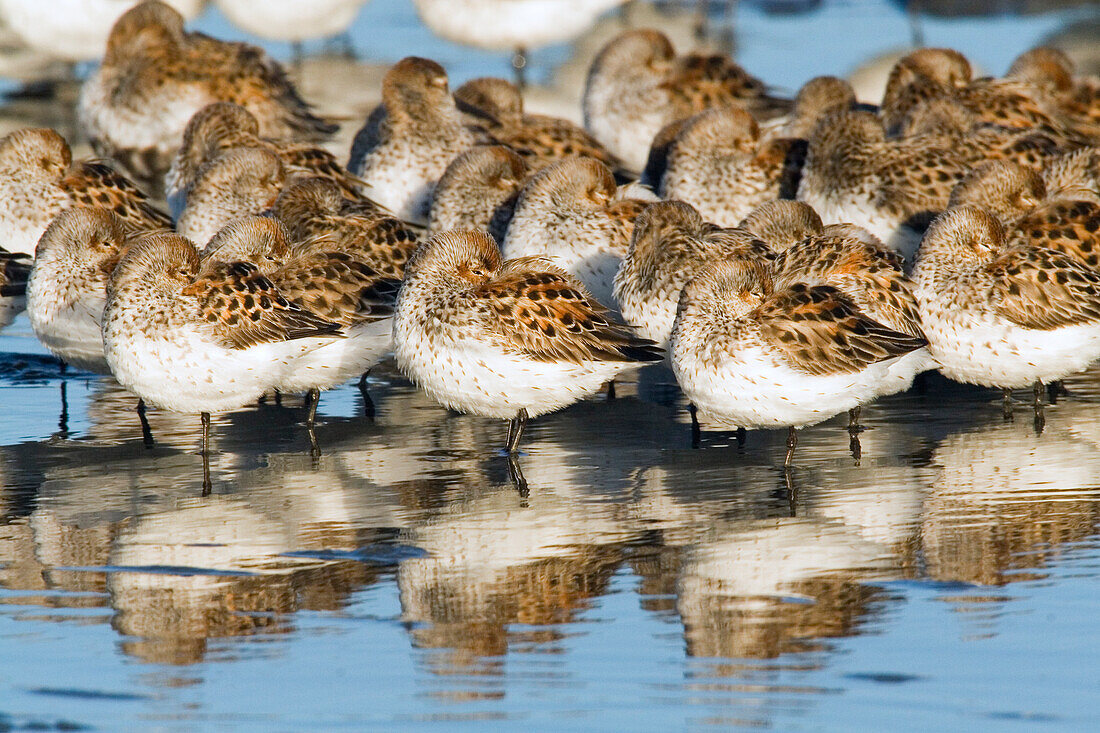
[63, 418]
[741, 434]
[1006, 403]
[516, 474]
[206, 454]
[853, 420]
[792, 442]
[515, 431]
[519, 66]
[1040, 416]
[368, 403]
[696, 431]
[63, 368]
[146, 431]
[278, 397]
[611, 390]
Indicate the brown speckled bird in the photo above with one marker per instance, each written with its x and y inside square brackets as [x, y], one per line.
[410, 138]
[718, 164]
[497, 105]
[573, 214]
[240, 182]
[38, 179]
[505, 339]
[479, 191]
[221, 126]
[671, 242]
[155, 76]
[637, 85]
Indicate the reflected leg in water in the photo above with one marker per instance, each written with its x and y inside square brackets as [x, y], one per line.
[63, 418]
[312, 398]
[854, 429]
[515, 473]
[1055, 390]
[792, 495]
[1006, 403]
[1040, 417]
[146, 431]
[792, 442]
[515, 431]
[696, 432]
[206, 454]
[368, 403]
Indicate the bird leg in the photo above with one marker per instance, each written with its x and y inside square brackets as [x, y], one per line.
[515, 431]
[741, 434]
[206, 454]
[519, 66]
[146, 431]
[611, 390]
[792, 442]
[1006, 403]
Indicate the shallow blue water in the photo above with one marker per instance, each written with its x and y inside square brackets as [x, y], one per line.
[948, 579]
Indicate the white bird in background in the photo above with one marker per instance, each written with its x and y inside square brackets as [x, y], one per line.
[292, 20]
[74, 30]
[511, 25]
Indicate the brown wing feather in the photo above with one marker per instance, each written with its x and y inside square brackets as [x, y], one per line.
[1044, 289]
[1071, 227]
[547, 315]
[337, 287]
[246, 309]
[95, 184]
[820, 331]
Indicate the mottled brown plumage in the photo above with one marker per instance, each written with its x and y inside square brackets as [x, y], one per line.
[497, 105]
[155, 76]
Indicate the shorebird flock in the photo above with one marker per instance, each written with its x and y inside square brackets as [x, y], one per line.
[790, 260]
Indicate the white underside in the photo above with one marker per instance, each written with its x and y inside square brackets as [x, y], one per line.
[483, 380]
[336, 361]
[753, 390]
[994, 352]
[291, 20]
[71, 333]
[185, 372]
[510, 24]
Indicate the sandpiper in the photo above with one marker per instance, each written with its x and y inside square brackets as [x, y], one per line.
[573, 213]
[478, 191]
[510, 340]
[1003, 316]
[497, 105]
[221, 126]
[330, 279]
[747, 355]
[203, 336]
[408, 140]
[718, 164]
[241, 182]
[155, 76]
[38, 179]
[671, 242]
[637, 85]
